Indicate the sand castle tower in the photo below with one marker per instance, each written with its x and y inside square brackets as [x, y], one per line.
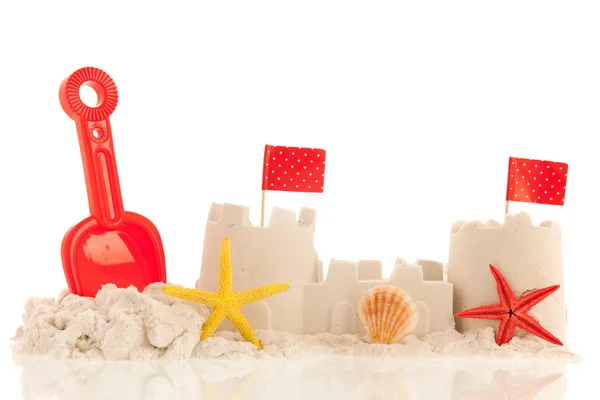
[529, 257]
[281, 252]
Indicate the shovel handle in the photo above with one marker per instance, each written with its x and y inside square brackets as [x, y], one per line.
[95, 142]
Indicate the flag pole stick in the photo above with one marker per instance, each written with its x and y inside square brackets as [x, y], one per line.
[510, 162]
[262, 209]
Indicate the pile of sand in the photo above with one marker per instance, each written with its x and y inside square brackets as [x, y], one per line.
[124, 324]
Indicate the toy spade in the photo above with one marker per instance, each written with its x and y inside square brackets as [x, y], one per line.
[111, 245]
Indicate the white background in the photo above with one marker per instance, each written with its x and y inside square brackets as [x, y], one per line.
[418, 104]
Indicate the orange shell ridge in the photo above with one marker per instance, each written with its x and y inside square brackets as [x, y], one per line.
[388, 314]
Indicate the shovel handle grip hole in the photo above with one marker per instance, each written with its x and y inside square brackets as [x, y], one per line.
[89, 93]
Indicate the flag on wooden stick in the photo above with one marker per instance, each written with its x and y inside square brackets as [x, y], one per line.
[292, 169]
[536, 181]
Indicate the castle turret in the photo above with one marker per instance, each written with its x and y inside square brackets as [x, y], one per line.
[529, 257]
[281, 252]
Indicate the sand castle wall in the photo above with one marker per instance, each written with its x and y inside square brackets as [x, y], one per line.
[331, 306]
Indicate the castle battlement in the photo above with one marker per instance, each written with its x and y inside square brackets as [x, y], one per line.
[406, 272]
[341, 272]
[331, 306]
[231, 215]
[432, 270]
[516, 221]
[372, 270]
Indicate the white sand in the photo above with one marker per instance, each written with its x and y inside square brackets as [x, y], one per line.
[123, 324]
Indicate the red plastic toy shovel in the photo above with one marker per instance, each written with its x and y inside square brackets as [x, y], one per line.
[112, 245]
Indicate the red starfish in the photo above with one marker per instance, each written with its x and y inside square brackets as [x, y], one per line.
[507, 389]
[513, 313]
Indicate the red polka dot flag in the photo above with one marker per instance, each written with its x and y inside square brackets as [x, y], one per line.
[293, 169]
[536, 181]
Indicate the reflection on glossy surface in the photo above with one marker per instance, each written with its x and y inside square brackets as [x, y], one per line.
[108, 248]
[393, 385]
[212, 391]
[506, 386]
[309, 378]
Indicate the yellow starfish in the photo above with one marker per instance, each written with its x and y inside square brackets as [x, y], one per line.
[225, 303]
[211, 391]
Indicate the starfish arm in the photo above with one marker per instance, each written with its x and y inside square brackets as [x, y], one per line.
[253, 295]
[529, 300]
[225, 284]
[241, 324]
[197, 296]
[505, 293]
[531, 389]
[212, 323]
[506, 330]
[209, 389]
[495, 311]
[505, 381]
[240, 390]
[531, 325]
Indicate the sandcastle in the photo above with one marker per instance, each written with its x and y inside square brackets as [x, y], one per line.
[283, 251]
[316, 315]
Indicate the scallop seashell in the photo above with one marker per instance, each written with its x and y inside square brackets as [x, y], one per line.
[388, 314]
